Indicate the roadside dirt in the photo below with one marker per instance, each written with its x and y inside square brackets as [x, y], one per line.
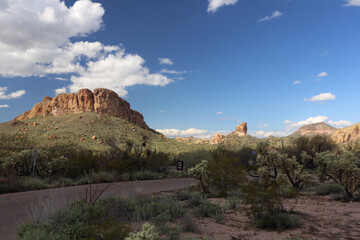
[324, 219]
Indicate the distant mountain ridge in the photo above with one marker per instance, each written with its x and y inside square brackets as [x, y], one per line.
[314, 129]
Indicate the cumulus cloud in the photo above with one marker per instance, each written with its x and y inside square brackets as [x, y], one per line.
[296, 82]
[4, 106]
[191, 132]
[355, 3]
[340, 123]
[322, 74]
[219, 113]
[263, 125]
[12, 95]
[117, 71]
[37, 39]
[60, 90]
[275, 14]
[34, 33]
[165, 61]
[322, 97]
[215, 4]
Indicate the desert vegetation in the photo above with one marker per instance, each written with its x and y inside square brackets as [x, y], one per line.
[261, 184]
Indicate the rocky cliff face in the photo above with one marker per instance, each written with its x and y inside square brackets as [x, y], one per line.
[217, 139]
[347, 134]
[241, 129]
[102, 101]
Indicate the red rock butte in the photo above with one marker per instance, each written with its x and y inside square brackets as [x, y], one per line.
[102, 101]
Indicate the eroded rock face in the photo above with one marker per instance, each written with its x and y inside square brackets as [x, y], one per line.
[102, 101]
[217, 139]
[347, 134]
[241, 129]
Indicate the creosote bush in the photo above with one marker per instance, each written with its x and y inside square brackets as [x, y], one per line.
[266, 209]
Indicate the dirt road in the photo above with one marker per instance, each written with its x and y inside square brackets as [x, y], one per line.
[17, 208]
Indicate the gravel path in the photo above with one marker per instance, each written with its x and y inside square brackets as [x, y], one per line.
[17, 208]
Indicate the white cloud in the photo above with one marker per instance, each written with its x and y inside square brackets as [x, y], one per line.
[296, 82]
[34, 33]
[322, 74]
[310, 120]
[340, 123]
[61, 79]
[275, 14]
[172, 71]
[183, 133]
[215, 4]
[352, 3]
[4, 95]
[35, 41]
[191, 132]
[219, 113]
[263, 125]
[4, 106]
[322, 97]
[264, 134]
[60, 90]
[162, 111]
[165, 61]
[291, 126]
[117, 71]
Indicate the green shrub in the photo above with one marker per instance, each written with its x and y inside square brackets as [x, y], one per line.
[226, 173]
[329, 188]
[207, 209]
[286, 191]
[195, 199]
[147, 233]
[169, 232]
[277, 220]
[218, 217]
[235, 193]
[146, 175]
[182, 195]
[266, 209]
[33, 183]
[189, 223]
[233, 203]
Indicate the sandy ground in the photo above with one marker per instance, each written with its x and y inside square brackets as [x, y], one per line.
[17, 208]
[326, 219]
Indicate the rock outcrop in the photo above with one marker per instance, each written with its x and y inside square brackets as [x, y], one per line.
[217, 139]
[347, 134]
[102, 101]
[314, 129]
[241, 129]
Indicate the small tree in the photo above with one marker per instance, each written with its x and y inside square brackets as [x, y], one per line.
[226, 173]
[272, 164]
[342, 168]
[201, 172]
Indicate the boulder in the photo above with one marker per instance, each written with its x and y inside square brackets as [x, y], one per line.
[217, 139]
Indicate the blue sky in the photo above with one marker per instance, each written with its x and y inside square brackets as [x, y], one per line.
[191, 67]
